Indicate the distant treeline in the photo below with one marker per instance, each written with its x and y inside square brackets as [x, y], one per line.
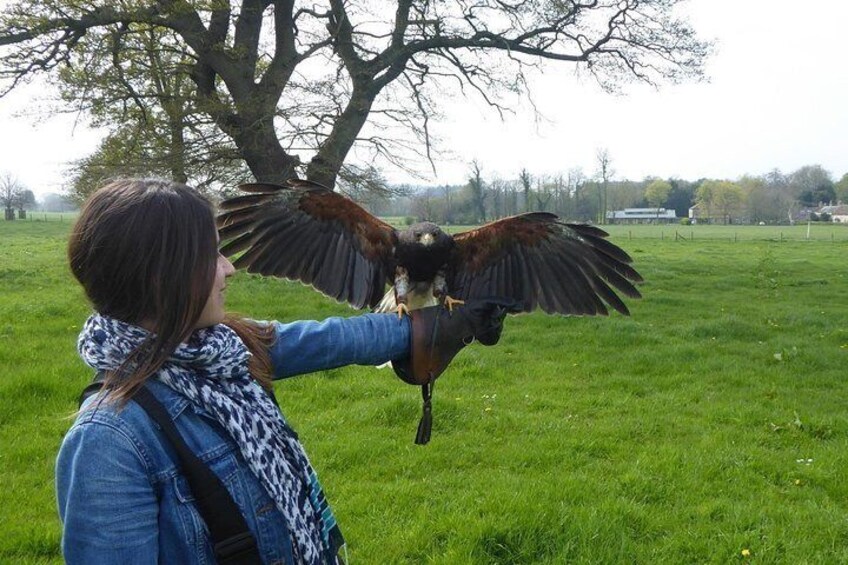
[770, 198]
[52, 202]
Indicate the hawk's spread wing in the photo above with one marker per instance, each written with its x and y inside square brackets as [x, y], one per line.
[539, 260]
[304, 231]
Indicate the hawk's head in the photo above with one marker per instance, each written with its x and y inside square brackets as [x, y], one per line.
[424, 234]
[423, 249]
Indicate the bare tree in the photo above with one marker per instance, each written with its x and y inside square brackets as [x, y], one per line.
[559, 188]
[477, 191]
[543, 194]
[447, 190]
[497, 188]
[576, 181]
[526, 180]
[511, 198]
[294, 85]
[422, 205]
[11, 194]
[367, 186]
[605, 173]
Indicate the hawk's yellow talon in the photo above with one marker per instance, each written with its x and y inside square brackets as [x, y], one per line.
[401, 310]
[451, 302]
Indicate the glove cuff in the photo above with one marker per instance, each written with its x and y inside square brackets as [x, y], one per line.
[437, 336]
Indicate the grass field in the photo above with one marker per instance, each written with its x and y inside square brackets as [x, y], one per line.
[709, 427]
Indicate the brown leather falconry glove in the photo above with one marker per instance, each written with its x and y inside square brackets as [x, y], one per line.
[438, 335]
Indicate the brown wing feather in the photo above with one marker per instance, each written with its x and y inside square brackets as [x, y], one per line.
[304, 231]
[541, 261]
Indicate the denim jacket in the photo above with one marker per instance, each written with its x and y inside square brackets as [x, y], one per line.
[121, 496]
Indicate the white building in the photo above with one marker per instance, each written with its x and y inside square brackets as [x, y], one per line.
[838, 214]
[642, 216]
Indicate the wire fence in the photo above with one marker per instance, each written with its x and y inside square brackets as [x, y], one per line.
[835, 233]
[32, 216]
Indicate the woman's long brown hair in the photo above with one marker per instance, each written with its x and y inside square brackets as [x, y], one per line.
[145, 251]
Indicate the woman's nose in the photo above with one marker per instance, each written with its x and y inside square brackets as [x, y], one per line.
[229, 270]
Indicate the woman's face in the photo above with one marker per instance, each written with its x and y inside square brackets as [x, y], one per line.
[213, 311]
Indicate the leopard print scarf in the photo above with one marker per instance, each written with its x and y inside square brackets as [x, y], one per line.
[210, 369]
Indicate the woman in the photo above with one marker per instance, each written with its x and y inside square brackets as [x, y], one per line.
[145, 251]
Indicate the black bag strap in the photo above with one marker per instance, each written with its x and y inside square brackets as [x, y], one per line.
[231, 538]
[93, 388]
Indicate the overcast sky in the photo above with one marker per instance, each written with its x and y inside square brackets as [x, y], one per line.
[777, 98]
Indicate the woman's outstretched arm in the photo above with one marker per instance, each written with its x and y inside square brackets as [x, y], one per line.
[369, 339]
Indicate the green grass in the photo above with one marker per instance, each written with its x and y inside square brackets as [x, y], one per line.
[714, 419]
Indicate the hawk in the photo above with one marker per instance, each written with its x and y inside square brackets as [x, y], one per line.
[306, 232]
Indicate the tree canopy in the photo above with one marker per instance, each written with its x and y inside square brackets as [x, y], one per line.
[724, 197]
[812, 185]
[841, 188]
[296, 86]
[657, 193]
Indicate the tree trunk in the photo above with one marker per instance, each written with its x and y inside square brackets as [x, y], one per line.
[257, 141]
[325, 165]
[177, 160]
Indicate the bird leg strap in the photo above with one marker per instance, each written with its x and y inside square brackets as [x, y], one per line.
[425, 425]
